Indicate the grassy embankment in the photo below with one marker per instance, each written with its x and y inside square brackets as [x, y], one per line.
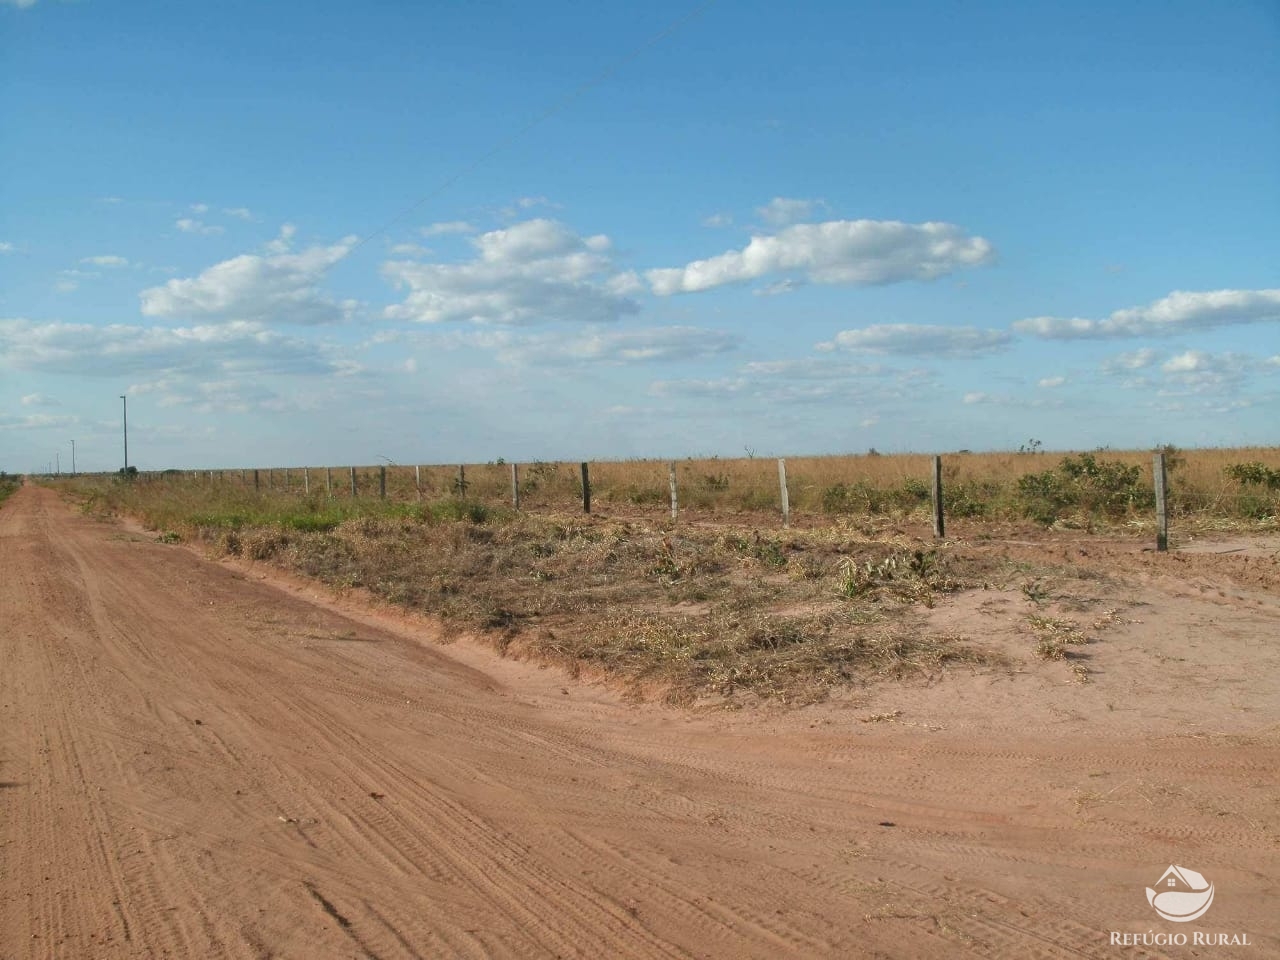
[688, 610]
[8, 484]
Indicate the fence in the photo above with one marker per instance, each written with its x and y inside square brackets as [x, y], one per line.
[958, 485]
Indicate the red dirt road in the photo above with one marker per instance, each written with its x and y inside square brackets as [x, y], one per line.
[195, 762]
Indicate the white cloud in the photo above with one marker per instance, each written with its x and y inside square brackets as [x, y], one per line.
[446, 227]
[534, 271]
[199, 208]
[234, 349]
[284, 239]
[1202, 372]
[1049, 383]
[277, 288]
[718, 221]
[106, 260]
[784, 211]
[778, 288]
[1193, 372]
[36, 421]
[187, 225]
[39, 400]
[1131, 360]
[1179, 312]
[802, 381]
[861, 252]
[6, 247]
[979, 397]
[20, 4]
[525, 204]
[240, 213]
[409, 250]
[918, 339]
[616, 347]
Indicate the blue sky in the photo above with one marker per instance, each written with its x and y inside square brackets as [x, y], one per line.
[327, 233]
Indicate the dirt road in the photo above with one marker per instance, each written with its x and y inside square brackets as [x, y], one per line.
[197, 762]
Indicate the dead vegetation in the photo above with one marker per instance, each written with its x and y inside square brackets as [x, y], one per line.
[682, 613]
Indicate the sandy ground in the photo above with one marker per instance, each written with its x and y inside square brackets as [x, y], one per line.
[198, 760]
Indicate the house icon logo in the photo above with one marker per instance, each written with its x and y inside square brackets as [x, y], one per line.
[1181, 895]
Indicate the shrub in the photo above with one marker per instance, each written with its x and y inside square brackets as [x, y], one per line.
[1085, 482]
[1253, 473]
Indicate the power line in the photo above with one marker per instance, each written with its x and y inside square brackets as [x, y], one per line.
[669, 30]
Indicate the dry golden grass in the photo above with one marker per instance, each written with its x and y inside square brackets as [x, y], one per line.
[983, 485]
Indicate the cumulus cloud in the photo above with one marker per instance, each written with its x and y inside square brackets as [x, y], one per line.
[918, 339]
[240, 213]
[859, 252]
[534, 271]
[1192, 372]
[20, 4]
[1049, 383]
[39, 400]
[188, 225]
[1201, 372]
[1179, 312]
[279, 287]
[718, 221]
[784, 211]
[106, 260]
[6, 247]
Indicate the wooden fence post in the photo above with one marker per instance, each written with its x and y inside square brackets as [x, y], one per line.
[417, 479]
[353, 483]
[515, 486]
[382, 481]
[586, 488]
[328, 481]
[461, 482]
[271, 478]
[286, 479]
[1162, 503]
[939, 520]
[306, 481]
[671, 483]
[786, 499]
[256, 482]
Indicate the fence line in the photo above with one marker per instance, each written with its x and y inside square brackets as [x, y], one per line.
[915, 483]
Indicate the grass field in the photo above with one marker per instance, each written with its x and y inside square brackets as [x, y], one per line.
[1080, 489]
[722, 602]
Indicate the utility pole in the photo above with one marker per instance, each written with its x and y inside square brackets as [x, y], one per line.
[57, 459]
[125, 407]
[73, 458]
